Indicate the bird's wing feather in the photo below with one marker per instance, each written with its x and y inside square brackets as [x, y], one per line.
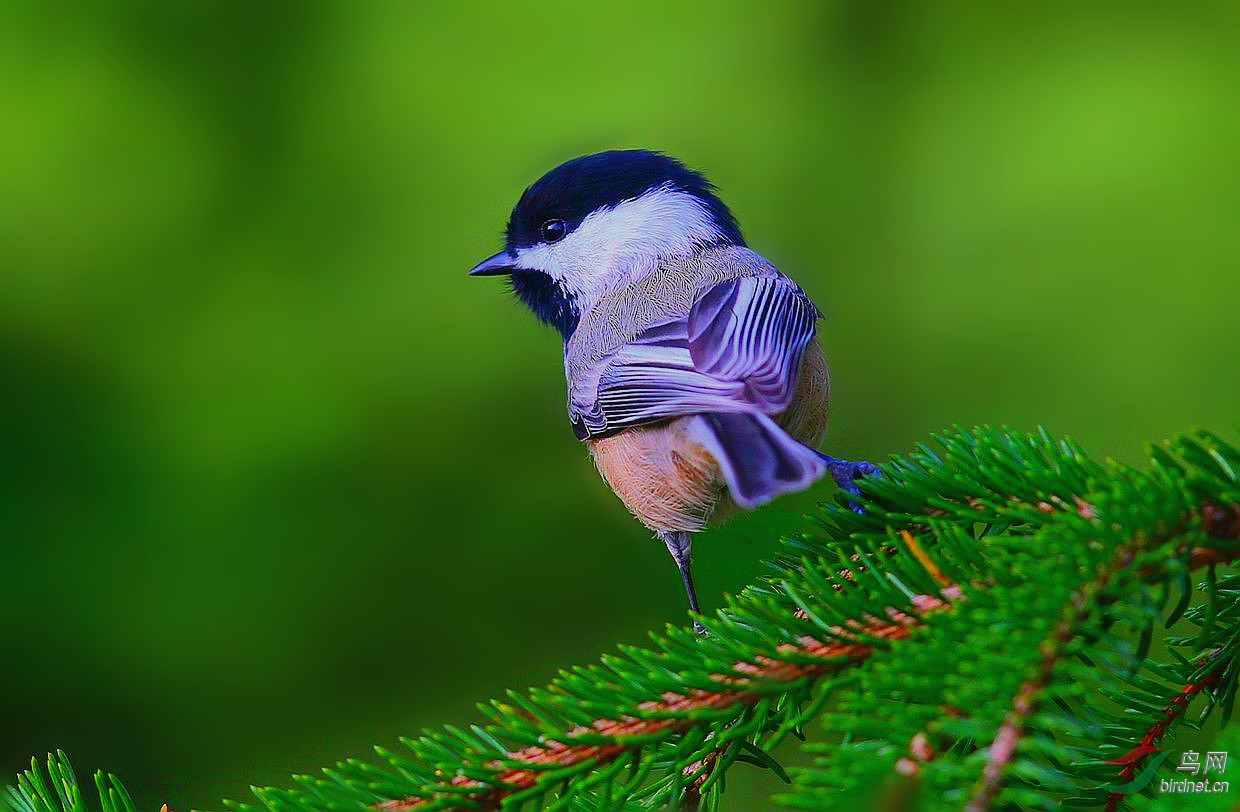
[738, 350]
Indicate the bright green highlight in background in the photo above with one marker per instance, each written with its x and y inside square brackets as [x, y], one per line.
[278, 482]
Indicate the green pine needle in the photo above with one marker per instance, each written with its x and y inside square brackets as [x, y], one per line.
[985, 635]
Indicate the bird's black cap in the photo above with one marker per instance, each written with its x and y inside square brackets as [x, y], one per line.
[574, 189]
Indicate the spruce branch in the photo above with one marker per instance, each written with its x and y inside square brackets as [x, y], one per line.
[1100, 555]
[751, 684]
[978, 638]
[1084, 602]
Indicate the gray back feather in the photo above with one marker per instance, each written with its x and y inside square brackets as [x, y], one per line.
[665, 294]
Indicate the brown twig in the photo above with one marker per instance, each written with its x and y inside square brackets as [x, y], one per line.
[699, 772]
[845, 651]
[1173, 710]
[1028, 696]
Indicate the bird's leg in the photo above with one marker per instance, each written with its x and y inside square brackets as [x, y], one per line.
[846, 473]
[678, 544]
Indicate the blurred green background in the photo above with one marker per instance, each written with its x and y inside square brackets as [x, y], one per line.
[278, 482]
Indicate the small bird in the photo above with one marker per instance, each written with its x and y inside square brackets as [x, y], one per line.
[694, 374]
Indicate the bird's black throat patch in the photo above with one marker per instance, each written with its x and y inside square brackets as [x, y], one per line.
[548, 299]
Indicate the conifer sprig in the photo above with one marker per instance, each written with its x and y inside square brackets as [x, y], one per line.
[978, 638]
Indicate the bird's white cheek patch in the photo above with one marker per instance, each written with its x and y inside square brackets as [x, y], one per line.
[615, 241]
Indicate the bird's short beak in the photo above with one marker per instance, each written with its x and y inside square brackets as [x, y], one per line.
[498, 265]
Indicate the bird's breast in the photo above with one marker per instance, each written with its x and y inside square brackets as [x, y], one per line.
[662, 473]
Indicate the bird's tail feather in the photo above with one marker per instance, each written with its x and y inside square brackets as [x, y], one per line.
[759, 460]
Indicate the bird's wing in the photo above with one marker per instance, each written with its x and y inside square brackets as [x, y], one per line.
[738, 350]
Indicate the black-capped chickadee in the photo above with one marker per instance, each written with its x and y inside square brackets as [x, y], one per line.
[694, 375]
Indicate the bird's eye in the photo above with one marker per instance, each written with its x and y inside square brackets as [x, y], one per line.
[553, 230]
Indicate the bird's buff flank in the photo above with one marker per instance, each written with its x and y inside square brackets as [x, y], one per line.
[694, 374]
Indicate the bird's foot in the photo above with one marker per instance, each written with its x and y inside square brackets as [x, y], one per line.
[846, 474]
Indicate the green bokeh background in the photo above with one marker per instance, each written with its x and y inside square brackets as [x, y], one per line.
[278, 482]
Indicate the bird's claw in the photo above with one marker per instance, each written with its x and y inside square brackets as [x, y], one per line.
[846, 474]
